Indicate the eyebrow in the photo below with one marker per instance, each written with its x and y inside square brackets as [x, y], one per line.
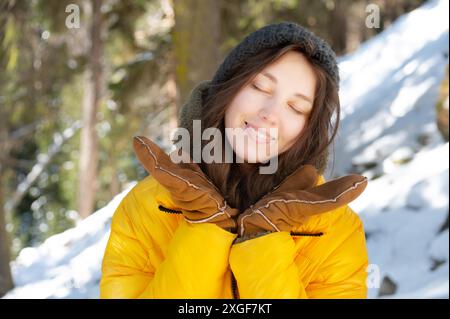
[300, 95]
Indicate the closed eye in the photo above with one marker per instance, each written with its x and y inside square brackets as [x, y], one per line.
[259, 89]
[295, 109]
[263, 91]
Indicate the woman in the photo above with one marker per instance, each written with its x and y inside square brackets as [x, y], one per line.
[224, 230]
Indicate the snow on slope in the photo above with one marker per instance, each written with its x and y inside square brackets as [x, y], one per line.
[66, 265]
[390, 88]
[388, 92]
[402, 214]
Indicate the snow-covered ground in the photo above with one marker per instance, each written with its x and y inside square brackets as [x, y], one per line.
[66, 265]
[388, 93]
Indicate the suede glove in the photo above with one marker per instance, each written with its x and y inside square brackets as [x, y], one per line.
[190, 189]
[295, 200]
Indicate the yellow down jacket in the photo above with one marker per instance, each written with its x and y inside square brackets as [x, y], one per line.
[156, 254]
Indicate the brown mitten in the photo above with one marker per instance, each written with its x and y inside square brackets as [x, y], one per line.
[296, 199]
[190, 189]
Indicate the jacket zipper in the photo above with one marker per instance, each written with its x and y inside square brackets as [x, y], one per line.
[168, 210]
[306, 234]
[174, 211]
[234, 288]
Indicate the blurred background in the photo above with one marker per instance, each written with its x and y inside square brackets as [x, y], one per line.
[79, 79]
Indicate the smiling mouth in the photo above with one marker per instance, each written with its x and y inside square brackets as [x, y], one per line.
[260, 135]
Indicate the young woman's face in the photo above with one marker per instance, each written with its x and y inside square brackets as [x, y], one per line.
[277, 101]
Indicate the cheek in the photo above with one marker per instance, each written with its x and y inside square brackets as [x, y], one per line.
[290, 130]
[245, 103]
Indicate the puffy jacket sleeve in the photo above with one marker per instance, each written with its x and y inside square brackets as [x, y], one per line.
[343, 274]
[269, 267]
[193, 265]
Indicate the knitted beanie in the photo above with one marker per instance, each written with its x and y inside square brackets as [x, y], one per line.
[279, 35]
[267, 37]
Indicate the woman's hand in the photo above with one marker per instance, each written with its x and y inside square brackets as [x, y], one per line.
[191, 191]
[296, 199]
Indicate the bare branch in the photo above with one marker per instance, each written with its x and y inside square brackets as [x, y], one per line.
[42, 161]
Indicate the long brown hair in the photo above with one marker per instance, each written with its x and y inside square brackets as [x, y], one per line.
[241, 184]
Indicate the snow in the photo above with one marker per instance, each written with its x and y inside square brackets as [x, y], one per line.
[402, 214]
[389, 87]
[66, 265]
[388, 93]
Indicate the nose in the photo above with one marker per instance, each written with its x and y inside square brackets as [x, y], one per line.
[269, 113]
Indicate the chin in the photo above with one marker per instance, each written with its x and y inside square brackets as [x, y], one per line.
[253, 157]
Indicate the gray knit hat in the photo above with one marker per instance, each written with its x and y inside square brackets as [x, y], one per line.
[279, 35]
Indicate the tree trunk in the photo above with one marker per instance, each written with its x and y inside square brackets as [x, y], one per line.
[442, 107]
[6, 282]
[196, 42]
[89, 144]
[338, 26]
[173, 108]
[114, 184]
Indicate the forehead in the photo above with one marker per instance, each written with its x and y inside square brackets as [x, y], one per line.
[293, 64]
[291, 72]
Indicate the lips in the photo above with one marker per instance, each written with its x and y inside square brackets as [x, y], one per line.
[260, 135]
